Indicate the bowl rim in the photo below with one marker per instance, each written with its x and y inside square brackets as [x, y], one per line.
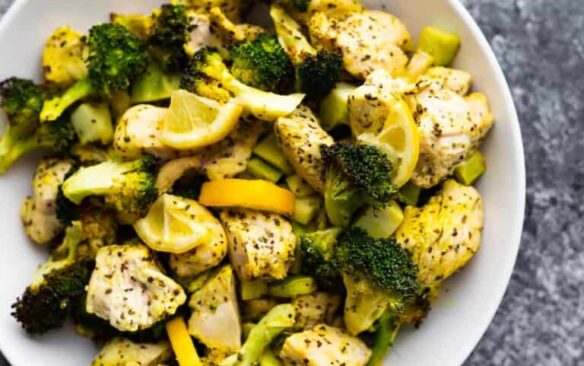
[516, 233]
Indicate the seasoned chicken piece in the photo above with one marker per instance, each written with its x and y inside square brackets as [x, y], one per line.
[225, 159]
[261, 245]
[64, 57]
[206, 255]
[444, 234]
[231, 8]
[315, 308]
[120, 351]
[324, 345]
[139, 132]
[99, 226]
[129, 289]
[373, 40]
[451, 127]
[300, 138]
[456, 80]
[39, 212]
[200, 35]
[215, 317]
[333, 9]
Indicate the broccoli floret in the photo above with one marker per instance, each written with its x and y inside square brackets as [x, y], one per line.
[261, 63]
[316, 252]
[169, 35]
[300, 5]
[356, 175]
[116, 57]
[317, 71]
[208, 76]
[276, 321]
[22, 101]
[128, 187]
[57, 289]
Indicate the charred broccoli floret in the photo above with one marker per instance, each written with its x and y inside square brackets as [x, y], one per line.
[116, 57]
[58, 287]
[356, 175]
[169, 35]
[261, 63]
[208, 76]
[22, 101]
[128, 187]
[317, 72]
[316, 252]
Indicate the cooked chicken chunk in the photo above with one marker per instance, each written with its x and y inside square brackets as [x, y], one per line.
[129, 289]
[139, 132]
[300, 138]
[451, 127]
[206, 255]
[261, 245]
[458, 81]
[444, 234]
[39, 212]
[324, 345]
[200, 35]
[215, 317]
[372, 40]
[120, 351]
[315, 308]
[64, 57]
[225, 159]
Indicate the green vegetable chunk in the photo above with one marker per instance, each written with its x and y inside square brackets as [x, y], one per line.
[410, 194]
[154, 85]
[269, 358]
[262, 170]
[293, 286]
[251, 290]
[381, 223]
[333, 109]
[93, 123]
[269, 150]
[471, 169]
[387, 328]
[306, 209]
[440, 44]
[299, 187]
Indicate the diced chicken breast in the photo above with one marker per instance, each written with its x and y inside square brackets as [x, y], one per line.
[324, 345]
[300, 137]
[373, 40]
[120, 351]
[261, 245]
[129, 289]
[39, 212]
[444, 234]
[215, 319]
[315, 308]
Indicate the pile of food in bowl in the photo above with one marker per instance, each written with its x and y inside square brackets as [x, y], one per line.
[217, 193]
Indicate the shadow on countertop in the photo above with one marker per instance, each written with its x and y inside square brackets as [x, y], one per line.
[540, 45]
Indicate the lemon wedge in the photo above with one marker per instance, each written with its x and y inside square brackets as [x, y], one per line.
[176, 225]
[193, 122]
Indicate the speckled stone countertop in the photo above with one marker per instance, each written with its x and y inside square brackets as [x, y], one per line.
[540, 44]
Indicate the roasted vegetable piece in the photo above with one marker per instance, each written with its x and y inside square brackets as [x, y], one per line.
[64, 57]
[317, 72]
[120, 351]
[116, 57]
[93, 123]
[57, 288]
[169, 35]
[22, 101]
[215, 319]
[316, 253]
[324, 345]
[356, 175]
[39, 212]
[129, 289]
[208, 76]
[280, 318]
[261, 63]
[129, 187]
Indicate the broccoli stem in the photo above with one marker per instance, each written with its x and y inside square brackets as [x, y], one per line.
[293, 286]
[269, 358]
[290, 36]
[55, 107]
[388, 328]
[12, 148]
[251, 290]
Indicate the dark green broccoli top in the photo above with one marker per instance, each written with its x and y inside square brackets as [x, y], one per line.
[169, 36]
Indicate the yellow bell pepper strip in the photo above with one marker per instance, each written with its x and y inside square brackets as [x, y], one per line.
[253, 194]
[182, 344]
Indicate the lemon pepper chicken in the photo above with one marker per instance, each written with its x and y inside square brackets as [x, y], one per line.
[236, 195]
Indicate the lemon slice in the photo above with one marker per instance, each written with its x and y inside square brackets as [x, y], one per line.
[399, 139]
[176, 225]
[194, 122]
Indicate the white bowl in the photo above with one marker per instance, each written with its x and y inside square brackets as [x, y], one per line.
[460, 316]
